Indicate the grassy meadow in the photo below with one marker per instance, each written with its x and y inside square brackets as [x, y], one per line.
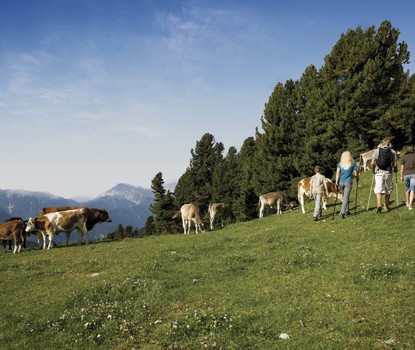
[331, 284]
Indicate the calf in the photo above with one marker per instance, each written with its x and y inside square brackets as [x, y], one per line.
[220, 211]
[10, 240]
[13, 230]
[272, 198]
[304, 190]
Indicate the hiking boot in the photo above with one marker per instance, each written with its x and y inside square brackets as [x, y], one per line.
[379, 210]
[386, 207]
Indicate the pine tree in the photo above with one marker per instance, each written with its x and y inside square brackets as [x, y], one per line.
[163, 207]
[245, 199]
[195, 185]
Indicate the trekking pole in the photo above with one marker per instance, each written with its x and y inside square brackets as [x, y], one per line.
[335, 202]
[370, 193]
[397, 198]
[355, 200]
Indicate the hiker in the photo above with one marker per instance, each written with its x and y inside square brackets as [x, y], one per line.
[318, 184]
[408, 174]
[346, 169]
[384, 160]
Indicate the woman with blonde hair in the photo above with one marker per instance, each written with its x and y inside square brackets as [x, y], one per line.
[346, 169]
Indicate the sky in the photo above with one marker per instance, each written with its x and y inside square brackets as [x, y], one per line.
[99, 92]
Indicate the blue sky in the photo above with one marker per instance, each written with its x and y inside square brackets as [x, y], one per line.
[94, 93]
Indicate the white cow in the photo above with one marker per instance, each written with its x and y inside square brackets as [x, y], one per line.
[63, 221]
[190, 213]
[365, 157]
[220, 211]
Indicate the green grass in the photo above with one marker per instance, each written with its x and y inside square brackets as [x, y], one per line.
[331, 284]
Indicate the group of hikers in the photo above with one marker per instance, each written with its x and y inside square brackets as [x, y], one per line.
[384, 162]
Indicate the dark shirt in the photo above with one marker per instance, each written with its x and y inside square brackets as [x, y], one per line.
[408, 162]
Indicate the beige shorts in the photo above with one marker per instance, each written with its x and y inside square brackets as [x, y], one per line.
[383, 183]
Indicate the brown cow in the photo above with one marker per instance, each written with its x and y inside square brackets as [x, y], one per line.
[13, 230]
[94, 216]
[220, 211]
[272, 198]
[304, 190]
[190, 213]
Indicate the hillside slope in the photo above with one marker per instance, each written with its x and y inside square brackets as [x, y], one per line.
[331, 284]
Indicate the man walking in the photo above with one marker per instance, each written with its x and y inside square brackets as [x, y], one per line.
[384, 160]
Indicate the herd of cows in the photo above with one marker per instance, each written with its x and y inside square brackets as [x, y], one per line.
[54, 220]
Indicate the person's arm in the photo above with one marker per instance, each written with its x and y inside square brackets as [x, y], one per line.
[395, 162]
[373, 163]
[337, 175]
[402, 167]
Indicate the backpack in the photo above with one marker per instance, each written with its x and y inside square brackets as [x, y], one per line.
[385, 158]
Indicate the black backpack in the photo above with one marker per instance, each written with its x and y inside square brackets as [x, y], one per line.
[385, 158]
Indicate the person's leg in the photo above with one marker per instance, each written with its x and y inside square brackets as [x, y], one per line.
[346, 196]
[411, 193]
[378, 191]
[388, 189]
[407, 181]
[317, 207]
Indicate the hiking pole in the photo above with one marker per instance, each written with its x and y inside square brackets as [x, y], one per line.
[355, 200]
[397, 198]
[335, 202]
[370, 193]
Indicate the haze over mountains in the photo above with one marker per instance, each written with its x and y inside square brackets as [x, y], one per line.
[126, 205]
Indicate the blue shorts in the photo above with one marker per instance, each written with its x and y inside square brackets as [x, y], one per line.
[409, 181]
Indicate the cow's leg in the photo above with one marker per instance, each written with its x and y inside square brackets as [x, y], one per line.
[212, 219]
[68, 235]
[184, 225]
[278, 207]
[44, 240]
[325, 198]
[301, 201]
[50, 240]
[261, 211]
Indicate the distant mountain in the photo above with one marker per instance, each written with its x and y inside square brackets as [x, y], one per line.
[126, 205]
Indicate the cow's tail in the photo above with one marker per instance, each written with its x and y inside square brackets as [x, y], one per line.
[176, 215]
[208, 212]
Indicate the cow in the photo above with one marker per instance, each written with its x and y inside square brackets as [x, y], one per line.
[272, 198]
[10, 240]
[13, 230]
[365, 157]
[94, 216]
[220, 211]
[304, 190]
[62, 221]
[48, 210]
[190, 213]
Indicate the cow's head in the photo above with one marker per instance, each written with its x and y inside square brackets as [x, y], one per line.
[31, 225]
[104, 216]
[291, 205]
